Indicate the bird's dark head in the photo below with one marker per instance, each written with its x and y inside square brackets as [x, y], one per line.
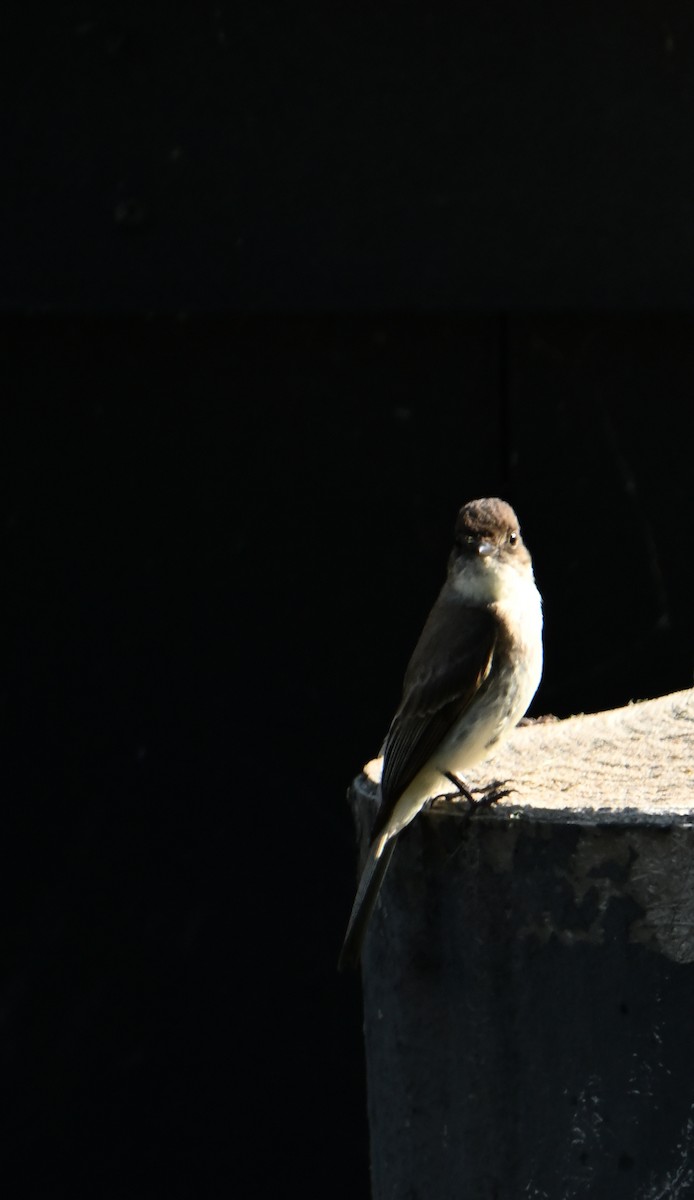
[487, 532]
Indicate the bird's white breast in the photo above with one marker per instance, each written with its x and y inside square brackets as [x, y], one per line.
[501, 702]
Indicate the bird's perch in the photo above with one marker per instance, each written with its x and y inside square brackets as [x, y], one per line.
[529, 972]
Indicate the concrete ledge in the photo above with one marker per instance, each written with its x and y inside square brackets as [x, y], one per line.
[635, 763]
[529, 973]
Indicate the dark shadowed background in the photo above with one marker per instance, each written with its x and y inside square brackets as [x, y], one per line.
[282, 286]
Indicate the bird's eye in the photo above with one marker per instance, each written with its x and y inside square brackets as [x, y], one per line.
[513, 539]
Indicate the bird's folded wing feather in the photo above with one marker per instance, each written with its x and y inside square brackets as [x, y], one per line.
[451, 661]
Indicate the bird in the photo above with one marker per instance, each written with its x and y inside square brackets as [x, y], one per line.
[471, 678]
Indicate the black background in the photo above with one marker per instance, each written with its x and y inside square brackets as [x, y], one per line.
[282, 287]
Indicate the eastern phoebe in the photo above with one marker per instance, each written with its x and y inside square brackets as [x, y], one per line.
[474, 671]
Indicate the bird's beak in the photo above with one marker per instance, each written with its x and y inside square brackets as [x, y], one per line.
[485, 549]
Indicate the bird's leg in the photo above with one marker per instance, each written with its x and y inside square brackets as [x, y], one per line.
[462, 788]
[485, 797]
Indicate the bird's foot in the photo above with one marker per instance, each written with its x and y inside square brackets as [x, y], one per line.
[492, 792]
[481, 797]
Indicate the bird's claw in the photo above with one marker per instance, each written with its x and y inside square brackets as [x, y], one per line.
[493, 792]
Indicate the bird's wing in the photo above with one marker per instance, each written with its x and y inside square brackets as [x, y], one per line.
[451, 661]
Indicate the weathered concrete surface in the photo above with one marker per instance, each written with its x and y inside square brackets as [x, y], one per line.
[529, 974]
[637, 761]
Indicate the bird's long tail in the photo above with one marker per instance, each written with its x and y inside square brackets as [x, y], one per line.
[372, 877]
